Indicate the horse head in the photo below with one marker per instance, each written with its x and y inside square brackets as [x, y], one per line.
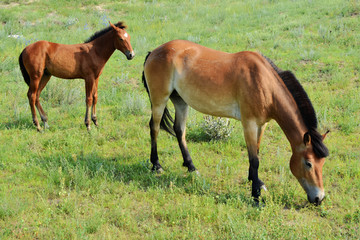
[306, 164]
[122, 40]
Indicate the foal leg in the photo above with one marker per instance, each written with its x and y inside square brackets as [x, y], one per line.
[44, 80]
[181, 113]
[89, 87]
[32, 92]
[251, 131]
[93, 108]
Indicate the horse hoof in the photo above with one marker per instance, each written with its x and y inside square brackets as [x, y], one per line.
[46, 125]
[160, 170]
[264, 187]
[196, 172]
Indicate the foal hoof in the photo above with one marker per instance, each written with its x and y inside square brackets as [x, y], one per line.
[263, 187]
[39, 129]
[94, 119]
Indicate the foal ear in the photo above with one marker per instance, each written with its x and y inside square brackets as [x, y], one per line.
[307, 139]
[325, 134]
[113, 26]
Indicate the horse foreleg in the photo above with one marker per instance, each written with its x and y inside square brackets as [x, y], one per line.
[261, 130]
[44, 80]
[181, 113]
[251, 137]
[93, 108]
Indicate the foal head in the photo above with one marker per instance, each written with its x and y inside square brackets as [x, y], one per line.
[306, 165]
[122, 40]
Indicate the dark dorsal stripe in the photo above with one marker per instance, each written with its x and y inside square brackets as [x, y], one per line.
[105, 30]
[305, 107]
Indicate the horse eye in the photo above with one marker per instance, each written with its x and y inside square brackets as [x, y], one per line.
[308, 164]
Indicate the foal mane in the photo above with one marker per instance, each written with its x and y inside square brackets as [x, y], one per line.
[306, 109]
[105, 30]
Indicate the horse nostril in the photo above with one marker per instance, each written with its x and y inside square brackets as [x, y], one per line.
[317, 201]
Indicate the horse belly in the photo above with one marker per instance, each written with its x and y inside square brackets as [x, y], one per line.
[211, 104]
[64, 62]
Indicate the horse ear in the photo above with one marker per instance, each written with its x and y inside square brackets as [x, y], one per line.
[113, 26]
[325, 134]
[307, 139]
[121, 25]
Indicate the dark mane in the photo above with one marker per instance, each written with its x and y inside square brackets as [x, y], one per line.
[103, 31]
[306, 109]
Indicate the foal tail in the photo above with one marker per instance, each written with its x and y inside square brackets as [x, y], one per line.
[23, 70]
[167, 122]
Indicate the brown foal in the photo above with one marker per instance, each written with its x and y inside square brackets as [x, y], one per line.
[41, 60]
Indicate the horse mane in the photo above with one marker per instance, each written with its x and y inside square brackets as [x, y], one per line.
[105, 30]
[306, 109]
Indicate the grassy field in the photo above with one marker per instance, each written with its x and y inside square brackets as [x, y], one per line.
[66, 183]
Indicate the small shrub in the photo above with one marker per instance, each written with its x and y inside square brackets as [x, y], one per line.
[62, 93]
[131, 104]
[217, 128]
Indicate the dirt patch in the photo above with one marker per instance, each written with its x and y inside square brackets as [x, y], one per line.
[9, 5]
[99, 8]
[14, 4]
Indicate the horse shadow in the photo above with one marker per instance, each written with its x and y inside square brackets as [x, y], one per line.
[21, 123]
[123, 169]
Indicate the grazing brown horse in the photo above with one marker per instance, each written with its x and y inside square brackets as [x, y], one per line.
[245, 86]
[42, 59]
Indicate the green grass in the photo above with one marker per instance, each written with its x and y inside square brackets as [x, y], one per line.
[66, 183]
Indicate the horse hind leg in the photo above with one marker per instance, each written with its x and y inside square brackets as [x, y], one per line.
[44, 80]
[181, 113]
[157, 113]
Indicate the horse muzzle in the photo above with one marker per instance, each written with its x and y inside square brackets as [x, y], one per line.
[316, 199]
[129, 55]
[315, 195]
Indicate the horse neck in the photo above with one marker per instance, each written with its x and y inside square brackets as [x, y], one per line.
[288, 116]
[103, 46]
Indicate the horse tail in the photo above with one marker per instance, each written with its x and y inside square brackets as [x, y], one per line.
[23, 70]
[167, 122]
